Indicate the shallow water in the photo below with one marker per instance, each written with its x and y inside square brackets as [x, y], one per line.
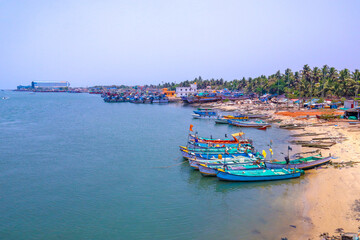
[74, 167]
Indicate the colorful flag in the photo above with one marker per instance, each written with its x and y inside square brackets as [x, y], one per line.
[191, 126]
[264, 153]
[271, 151]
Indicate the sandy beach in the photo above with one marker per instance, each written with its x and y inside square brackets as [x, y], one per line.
[331, 197]
[332, 193]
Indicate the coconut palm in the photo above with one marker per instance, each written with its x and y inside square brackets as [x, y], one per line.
[345, 83]
[356, 79]
[324, 78]
[316, 76]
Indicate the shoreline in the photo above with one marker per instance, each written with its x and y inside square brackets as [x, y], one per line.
[330, 200]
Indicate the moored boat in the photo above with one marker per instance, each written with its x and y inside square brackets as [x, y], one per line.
[221, 121]
[210, 117]
[301, 163]
[205, 111]
[255, 124]
[258, 175]
[211, 170]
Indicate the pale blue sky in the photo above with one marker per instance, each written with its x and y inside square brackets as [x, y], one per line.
[142, 42]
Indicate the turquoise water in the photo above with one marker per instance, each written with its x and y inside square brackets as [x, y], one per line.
[74, 167]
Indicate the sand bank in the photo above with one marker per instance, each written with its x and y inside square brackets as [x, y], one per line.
[331, 197]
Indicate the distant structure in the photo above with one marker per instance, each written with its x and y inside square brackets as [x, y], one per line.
[51, 85]
[43, 86]
[186, 91]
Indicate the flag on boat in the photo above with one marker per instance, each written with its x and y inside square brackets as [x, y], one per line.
[271, 151]
[289, 148]
[191, 126]
[264, 153]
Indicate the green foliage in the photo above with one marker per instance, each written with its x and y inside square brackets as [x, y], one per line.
[308, 82]
[321, 100]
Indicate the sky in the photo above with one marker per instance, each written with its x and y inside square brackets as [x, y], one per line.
[134, 42]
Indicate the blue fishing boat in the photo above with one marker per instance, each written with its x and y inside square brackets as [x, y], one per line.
[258, 175]
[205, 112]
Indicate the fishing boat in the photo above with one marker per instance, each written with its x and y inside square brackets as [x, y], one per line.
[235, 139]
[210, 117]
[221, 121]
[254, 124]
[160, 99]
[237, 117]
[300, 163]
[201, 99]
[212, 154]
[193, 144]
[209, 150]
[205, 111]
[209, 170]
[258, 174]
[195, 163]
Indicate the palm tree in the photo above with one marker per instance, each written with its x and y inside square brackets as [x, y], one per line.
[332, 81]
[315, 79]
[306, 79]
[345, 83]
[324, 78]
[356, 78]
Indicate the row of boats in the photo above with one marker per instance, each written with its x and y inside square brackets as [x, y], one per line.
[235, 160]
[112, 98]
[240, 120]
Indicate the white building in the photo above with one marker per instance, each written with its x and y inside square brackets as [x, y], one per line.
[186, 91]
[350, 104]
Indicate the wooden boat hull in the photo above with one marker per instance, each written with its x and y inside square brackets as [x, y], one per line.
[221, 121]
[253, 125]
[194, 164]
[206, 156]
[207, 117]
[207, 171]
[303, 166]
[224, 176]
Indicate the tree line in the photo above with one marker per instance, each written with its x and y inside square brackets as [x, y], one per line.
[322, 82]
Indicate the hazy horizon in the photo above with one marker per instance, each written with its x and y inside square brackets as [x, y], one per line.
[148, 42]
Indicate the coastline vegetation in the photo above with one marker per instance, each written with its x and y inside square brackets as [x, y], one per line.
[324, 82]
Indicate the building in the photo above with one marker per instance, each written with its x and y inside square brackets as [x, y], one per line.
[350, 104]
[186, 91]
[168, 93]
[52, 85]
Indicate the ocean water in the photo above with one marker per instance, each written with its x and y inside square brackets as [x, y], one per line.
[74, 167]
